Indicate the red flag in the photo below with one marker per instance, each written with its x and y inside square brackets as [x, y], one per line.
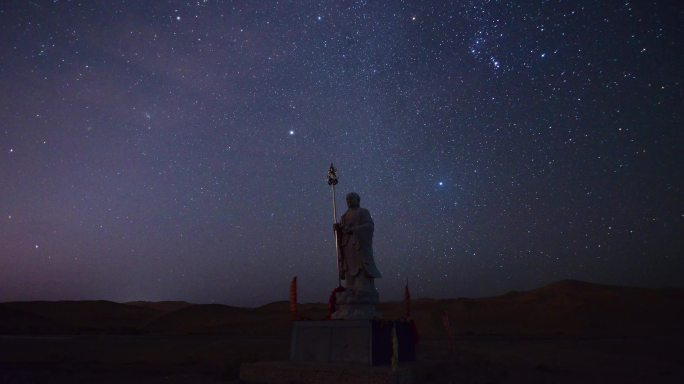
[293, 299]
[407, 300]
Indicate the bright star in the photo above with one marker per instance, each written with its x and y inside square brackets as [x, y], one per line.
[441, 183]
[291, 132]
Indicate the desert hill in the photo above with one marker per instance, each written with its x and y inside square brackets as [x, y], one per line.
[202, 319]
[566, 307]
[272, 319]
[77, 316]
[162, 306]
[17, 321]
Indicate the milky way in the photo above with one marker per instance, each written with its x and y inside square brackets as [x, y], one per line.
[179, 151]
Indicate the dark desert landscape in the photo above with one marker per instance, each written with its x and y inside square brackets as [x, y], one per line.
[565, 332]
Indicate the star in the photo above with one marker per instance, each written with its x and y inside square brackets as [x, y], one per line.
[466, 95]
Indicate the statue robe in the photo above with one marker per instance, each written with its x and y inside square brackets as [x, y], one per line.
[356, 248]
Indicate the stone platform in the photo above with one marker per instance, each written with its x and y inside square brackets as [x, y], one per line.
[301, 372]
[366, 342]
[345, 352]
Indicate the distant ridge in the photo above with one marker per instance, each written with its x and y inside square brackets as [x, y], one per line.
[81, 316]
[14, 321]
[162, 306]
[568, 307]
[579, 285]
[198, 318]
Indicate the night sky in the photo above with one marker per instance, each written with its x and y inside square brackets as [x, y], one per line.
[162, 151]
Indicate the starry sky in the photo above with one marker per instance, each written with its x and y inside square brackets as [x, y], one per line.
[156, 151]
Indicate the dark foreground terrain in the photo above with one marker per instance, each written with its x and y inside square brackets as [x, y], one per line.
[216, 359]
[567, 332]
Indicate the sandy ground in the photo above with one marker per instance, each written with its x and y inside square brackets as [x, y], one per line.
[506, 359]
[131, 359]
[216, 359]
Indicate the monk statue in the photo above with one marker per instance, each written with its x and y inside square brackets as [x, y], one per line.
[357, 267]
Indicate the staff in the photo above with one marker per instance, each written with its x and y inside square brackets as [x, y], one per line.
[332, 182]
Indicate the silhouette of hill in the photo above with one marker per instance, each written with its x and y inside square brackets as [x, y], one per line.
[82, 316]
[161, 306]
[566, 307]
[17, 321]
[199, 318]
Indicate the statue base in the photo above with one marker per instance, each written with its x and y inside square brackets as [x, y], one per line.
[288, 372]
[344, 352]
[367, 342]
[357, 302]
[356, 306]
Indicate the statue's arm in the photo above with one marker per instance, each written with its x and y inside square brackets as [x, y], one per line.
[366, 223]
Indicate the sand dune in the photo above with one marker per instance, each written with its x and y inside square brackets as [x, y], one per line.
[201, 319]
[81, 316]
[162, 306]
[567, 307]
[14, 321]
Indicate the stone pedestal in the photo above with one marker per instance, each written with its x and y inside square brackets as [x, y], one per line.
[290, 372]
[356, 306]
[358, 300]
[367, 342]
[344, 352]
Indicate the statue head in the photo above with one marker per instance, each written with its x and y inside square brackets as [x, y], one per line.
[353, 200]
